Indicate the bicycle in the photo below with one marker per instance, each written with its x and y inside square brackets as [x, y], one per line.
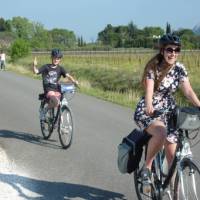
[186, 185]
[60, 117]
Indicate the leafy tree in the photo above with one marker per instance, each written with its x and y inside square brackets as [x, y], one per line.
[22, 27]
[112, 36]
[105, 35]
[4, 25]
[63, 37]
[41, 38]
[188, 38]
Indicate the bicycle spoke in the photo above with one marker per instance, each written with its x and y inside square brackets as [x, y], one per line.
[187, 182]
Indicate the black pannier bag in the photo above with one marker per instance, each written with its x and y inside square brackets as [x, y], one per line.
[130, 151]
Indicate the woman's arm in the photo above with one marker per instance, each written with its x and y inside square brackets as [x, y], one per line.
[149, 89]
[189, 93]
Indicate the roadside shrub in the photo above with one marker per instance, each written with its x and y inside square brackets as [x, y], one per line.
[20, 48]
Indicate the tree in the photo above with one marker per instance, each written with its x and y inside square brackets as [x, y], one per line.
[168, 28]
[41, 38]
[81, 42]
[105, 36]
[22, 27]
[188, 38]
[132, 30]
[4, 25]
[63, 38]
[132, 34]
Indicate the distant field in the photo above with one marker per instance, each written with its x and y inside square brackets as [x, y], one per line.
[113, 75]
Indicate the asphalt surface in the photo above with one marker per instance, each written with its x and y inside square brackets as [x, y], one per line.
[33, 168]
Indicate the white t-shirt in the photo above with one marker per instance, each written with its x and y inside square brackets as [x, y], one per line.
[3, 56]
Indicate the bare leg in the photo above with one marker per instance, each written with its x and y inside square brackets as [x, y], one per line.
[158, 132]
[170, 149]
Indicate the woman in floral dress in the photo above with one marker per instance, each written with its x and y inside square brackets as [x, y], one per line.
[162, 76]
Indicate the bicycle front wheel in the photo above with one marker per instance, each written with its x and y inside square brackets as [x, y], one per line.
[46, 124]
[187, 181]
[151, 195]
[139, 188]
[65, 128]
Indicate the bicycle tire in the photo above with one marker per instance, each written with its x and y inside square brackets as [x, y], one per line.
[65, 127]
[187, 182]
[47, 124]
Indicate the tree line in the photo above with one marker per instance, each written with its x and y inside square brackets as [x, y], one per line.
[33, 36]
[148, 37]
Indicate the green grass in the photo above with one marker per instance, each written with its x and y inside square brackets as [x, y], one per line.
[112, 76]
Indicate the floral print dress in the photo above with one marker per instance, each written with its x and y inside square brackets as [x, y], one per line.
[162, 99]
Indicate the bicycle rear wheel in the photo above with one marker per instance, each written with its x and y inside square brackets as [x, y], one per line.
[187, 181]
[46, 124]
[65, 127]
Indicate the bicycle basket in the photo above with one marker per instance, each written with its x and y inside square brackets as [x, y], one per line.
[69, 88]
[188, 118]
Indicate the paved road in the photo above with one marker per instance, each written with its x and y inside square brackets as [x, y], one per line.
[40, 169]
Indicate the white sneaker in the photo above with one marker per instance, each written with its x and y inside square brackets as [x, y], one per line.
[146, 180]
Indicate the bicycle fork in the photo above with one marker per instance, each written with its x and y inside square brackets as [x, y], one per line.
[186, 153]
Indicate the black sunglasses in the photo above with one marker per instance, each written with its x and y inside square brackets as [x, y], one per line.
[171, 50]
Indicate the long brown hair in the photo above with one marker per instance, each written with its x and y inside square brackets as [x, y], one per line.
[152, 64]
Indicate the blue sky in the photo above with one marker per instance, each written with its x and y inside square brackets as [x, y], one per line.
[88, 17]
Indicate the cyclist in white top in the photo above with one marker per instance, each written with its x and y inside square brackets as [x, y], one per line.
[2, 60]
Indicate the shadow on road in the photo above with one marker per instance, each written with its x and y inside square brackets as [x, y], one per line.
[46, 190]
[27, 137]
